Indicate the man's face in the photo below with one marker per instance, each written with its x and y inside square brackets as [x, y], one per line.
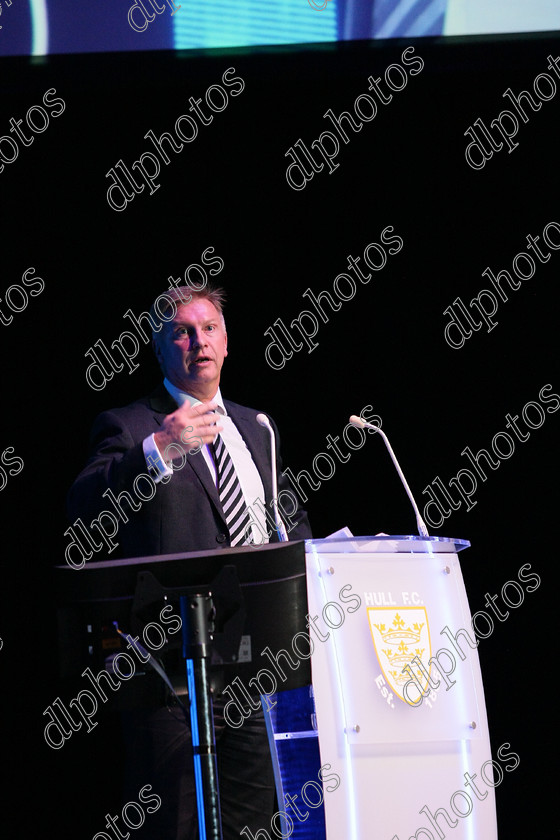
[191, 348]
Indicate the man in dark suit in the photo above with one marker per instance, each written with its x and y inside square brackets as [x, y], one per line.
[167, 438]
[168, 434]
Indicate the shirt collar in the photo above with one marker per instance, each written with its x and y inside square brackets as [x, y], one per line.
[181, 397]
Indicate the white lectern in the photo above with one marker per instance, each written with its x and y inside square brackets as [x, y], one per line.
[399, 701]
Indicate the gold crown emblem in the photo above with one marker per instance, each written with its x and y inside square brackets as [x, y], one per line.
[403, 637]
[399, 633]
[398, 662]
[401, 644]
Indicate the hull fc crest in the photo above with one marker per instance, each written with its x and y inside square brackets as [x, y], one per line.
[399, 635]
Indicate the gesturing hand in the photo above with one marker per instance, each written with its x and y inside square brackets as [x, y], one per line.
[190, 427]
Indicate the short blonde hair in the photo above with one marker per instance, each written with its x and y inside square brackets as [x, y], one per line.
[182, 296]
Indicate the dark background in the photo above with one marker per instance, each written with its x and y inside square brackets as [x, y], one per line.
[385, 347]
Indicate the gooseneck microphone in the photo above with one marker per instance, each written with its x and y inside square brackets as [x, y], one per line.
[362, 424]
[263, 420]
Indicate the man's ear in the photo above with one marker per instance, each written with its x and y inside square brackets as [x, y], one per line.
[225, 343]
[157, 351]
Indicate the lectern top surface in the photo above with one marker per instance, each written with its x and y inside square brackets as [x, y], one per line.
[408, 544]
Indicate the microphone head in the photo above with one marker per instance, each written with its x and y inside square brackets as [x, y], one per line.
[263, 420]
[356, 421]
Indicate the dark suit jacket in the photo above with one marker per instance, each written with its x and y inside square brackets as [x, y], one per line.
[185, 514]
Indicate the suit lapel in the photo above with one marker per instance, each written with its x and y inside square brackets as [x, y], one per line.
[199, 466]
[161, 402]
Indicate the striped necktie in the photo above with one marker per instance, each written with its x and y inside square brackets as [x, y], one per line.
[231, 495]
[408, 18]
